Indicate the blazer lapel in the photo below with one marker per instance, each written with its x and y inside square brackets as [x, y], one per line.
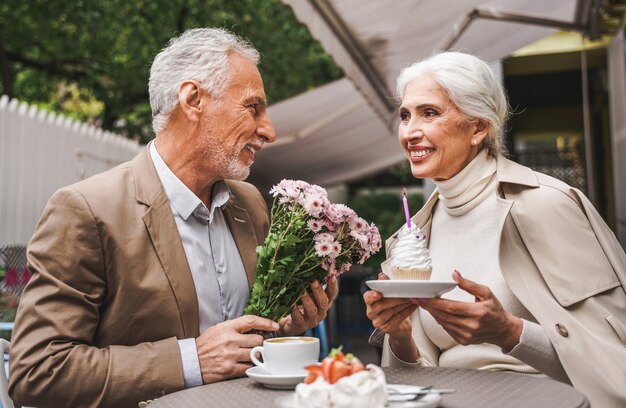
[162, 228]
[241, 227]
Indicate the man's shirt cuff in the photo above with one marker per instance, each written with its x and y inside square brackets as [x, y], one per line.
[191, 363]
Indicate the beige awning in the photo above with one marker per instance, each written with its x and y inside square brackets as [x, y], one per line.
[345, 130]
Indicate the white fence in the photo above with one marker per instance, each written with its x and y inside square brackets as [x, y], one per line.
[40, 152]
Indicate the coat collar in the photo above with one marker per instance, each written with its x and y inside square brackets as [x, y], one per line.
[507, 172]
[514, 173]
[148, 187]
[162, 228]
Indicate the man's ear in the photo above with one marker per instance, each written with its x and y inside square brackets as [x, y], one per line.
[189, 99]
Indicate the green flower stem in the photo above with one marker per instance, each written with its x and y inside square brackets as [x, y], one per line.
[284, 233]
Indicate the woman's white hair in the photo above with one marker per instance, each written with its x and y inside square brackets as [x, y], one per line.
[472, 87]
[199, 54]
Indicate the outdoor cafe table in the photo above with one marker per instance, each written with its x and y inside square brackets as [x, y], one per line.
[474, 388]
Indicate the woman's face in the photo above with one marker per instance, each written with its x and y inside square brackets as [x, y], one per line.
[437, 139]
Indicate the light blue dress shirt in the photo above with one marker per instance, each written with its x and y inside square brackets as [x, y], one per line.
[216, 266]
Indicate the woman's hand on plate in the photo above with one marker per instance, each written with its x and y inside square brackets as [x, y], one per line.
[484, 321]
[390, 316]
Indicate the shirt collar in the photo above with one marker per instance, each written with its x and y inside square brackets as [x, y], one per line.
[181, 198]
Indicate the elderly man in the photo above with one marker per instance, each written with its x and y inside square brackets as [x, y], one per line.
[141, 274]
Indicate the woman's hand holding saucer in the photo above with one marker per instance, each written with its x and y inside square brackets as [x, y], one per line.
[484, 321]
[390, 316]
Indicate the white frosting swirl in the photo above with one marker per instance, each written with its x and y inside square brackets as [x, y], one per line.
[366, 388]
[409, 250]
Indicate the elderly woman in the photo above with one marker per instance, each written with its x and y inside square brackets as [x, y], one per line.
[540, 275]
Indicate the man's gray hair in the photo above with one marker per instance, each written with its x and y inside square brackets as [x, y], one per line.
[471, 85]
[199, 54]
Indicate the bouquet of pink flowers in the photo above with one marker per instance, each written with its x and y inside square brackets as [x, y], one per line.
[309, 239]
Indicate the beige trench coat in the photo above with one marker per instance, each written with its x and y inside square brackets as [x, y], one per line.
[567, 268]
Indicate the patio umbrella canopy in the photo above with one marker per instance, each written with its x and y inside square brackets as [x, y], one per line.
[346, 130]
[325, 136]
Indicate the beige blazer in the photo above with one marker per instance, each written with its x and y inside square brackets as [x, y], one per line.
[567, 268]
[111, 291]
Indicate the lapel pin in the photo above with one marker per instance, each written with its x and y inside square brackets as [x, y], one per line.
[239, 220]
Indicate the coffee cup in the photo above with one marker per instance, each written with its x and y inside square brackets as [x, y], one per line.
[287, 355]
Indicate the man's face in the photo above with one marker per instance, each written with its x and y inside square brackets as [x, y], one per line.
[236, 124]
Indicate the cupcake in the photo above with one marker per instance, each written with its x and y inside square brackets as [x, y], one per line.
[409, 256]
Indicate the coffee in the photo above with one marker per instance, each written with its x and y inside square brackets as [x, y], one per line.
[287, 355]
[291, 340]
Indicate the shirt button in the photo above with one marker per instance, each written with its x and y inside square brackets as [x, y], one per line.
[561, 329]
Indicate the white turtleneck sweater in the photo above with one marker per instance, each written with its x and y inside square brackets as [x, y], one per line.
[464, 236]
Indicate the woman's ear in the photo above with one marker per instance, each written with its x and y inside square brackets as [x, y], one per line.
[189, 99]
[481, 130]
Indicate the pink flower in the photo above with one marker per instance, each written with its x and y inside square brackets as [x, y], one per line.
[286, 188]
[313, 189]
[315, 225]
[361, 238]
[336, 250]
[334, 214]
[323, 248]
[330, 226]
[325, 237]
[375, 240]
[358, 224]
[313, 205]
[345, 267]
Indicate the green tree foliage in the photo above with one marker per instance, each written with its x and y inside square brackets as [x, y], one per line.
[91, 59]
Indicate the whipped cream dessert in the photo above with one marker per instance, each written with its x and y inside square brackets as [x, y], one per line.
[409, 256]
[364, 389]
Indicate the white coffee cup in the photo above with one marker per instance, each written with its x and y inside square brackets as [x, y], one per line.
[287, 355]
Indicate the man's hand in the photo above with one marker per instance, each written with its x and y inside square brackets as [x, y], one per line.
[224, 349]
[484, 321]
[312, 310]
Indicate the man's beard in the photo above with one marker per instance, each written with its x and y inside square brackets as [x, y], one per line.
[227, 165]
[233, 168]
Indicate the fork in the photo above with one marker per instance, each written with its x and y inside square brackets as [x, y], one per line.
[397, 396]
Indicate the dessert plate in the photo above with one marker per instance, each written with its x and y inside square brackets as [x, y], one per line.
[410, 289]
[277, 382]
[430, 400]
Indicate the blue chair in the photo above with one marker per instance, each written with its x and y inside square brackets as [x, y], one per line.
[319, 331]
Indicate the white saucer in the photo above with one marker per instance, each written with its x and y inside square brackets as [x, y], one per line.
[278, 382]
[410, 288]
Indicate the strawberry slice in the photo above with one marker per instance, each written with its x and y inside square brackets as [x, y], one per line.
[315, 370]
[334, 367]
[356, 366]
[326, 363]
[338, 370]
